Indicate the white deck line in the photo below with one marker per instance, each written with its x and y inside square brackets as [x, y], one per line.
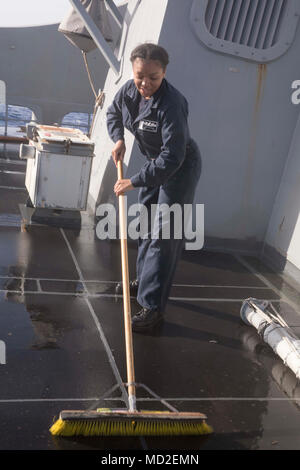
[219, 286]
[209, 299]
[38, 285]
[73, 258]
[3, 161]
[113, 296]
[13, 187]
[245, 399]
[96, 281]
[267, 283]
[97, 323]
[11, 172]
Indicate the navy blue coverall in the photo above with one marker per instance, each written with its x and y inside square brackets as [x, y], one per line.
[169, 176]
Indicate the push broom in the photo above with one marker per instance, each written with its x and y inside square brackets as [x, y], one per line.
[128, 422]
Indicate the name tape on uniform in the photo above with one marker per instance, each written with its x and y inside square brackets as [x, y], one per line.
[150, 126]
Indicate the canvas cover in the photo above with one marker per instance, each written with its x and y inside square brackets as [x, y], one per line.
[75, 31]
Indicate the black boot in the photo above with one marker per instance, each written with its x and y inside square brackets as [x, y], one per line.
[145, 319]
[133, 287]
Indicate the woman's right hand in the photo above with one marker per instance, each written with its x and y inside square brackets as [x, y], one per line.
[118, 151]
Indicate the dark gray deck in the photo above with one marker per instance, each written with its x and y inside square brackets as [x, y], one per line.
[63, 331]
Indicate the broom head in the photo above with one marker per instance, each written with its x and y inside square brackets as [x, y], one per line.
[107, 422]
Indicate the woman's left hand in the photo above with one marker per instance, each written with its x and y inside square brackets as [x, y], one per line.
[122, 186]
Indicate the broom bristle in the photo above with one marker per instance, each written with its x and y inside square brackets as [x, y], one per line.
[141, 426]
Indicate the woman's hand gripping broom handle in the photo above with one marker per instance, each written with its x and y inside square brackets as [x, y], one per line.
[126, 297]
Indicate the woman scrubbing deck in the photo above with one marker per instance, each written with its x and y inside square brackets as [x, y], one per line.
[156, 114]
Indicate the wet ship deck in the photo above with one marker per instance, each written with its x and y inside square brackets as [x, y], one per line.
[62, 327]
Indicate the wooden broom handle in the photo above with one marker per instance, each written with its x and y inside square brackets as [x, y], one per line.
[126, 296]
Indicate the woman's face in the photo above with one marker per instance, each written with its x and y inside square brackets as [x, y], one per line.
[147, 76]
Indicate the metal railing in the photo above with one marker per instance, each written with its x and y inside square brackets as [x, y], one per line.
[6, 119]
[69, 120]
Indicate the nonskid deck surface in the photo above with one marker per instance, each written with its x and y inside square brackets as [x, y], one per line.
[62, 327]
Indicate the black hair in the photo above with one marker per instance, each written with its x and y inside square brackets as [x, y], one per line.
[149, 51]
